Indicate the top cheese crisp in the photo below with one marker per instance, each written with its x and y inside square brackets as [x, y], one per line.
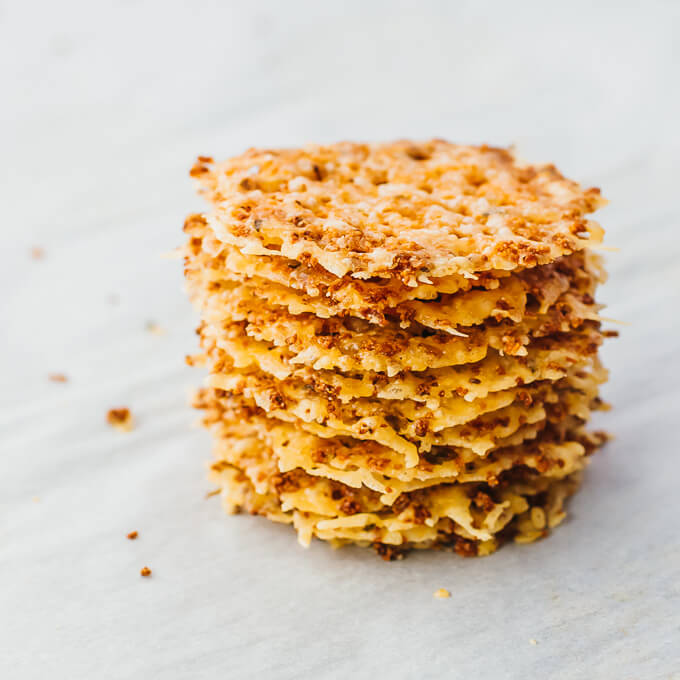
[412, 212]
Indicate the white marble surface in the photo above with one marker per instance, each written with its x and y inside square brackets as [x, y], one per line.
[104, 106]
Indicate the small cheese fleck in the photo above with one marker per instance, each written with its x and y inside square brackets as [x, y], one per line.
[442, 594]
[120, 419]
[154, 328]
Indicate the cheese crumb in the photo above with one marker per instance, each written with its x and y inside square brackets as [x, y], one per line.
[442, 594]
[145, 571]
[154, 328]
[533, 642]
[120, 418]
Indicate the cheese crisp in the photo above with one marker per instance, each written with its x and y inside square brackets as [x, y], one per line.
[402, 210]
[401, 339]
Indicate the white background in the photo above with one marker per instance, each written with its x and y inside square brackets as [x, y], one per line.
[103, 107]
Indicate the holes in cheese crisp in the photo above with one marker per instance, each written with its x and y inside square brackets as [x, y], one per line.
[417, 153]
[475, 177]
[377, 176]
[533, 304]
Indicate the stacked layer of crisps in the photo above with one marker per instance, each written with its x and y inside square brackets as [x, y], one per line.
[402, 341]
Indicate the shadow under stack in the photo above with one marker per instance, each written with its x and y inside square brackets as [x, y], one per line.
[402, 341]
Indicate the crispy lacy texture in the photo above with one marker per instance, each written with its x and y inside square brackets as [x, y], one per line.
[302, 289]
[530, 293]
[522, 504]
[350, 344]
[547, 358]
[402, 341]
[553, 447]
[400, 210]
[223, 262]
[407, 427]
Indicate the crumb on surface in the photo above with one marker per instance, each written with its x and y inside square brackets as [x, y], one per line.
[57, 377]
[120, 418]
[132, 535]
[154, 328]
[442, 594]
[37, 253]
[532, 642]
[212, 493]
[145, 571]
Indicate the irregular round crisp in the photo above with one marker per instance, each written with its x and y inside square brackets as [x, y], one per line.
[440, 515]
[365, 420]
[463, 303]
[450, 313]
[480, 434]
[218, 261]
[242, 446]
[408, 427]
[350, 344]
[398, 210]
[547, 359]
[360, 464]
[507, 301]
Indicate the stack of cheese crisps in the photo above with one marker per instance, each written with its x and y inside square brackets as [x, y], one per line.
[402, 340]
